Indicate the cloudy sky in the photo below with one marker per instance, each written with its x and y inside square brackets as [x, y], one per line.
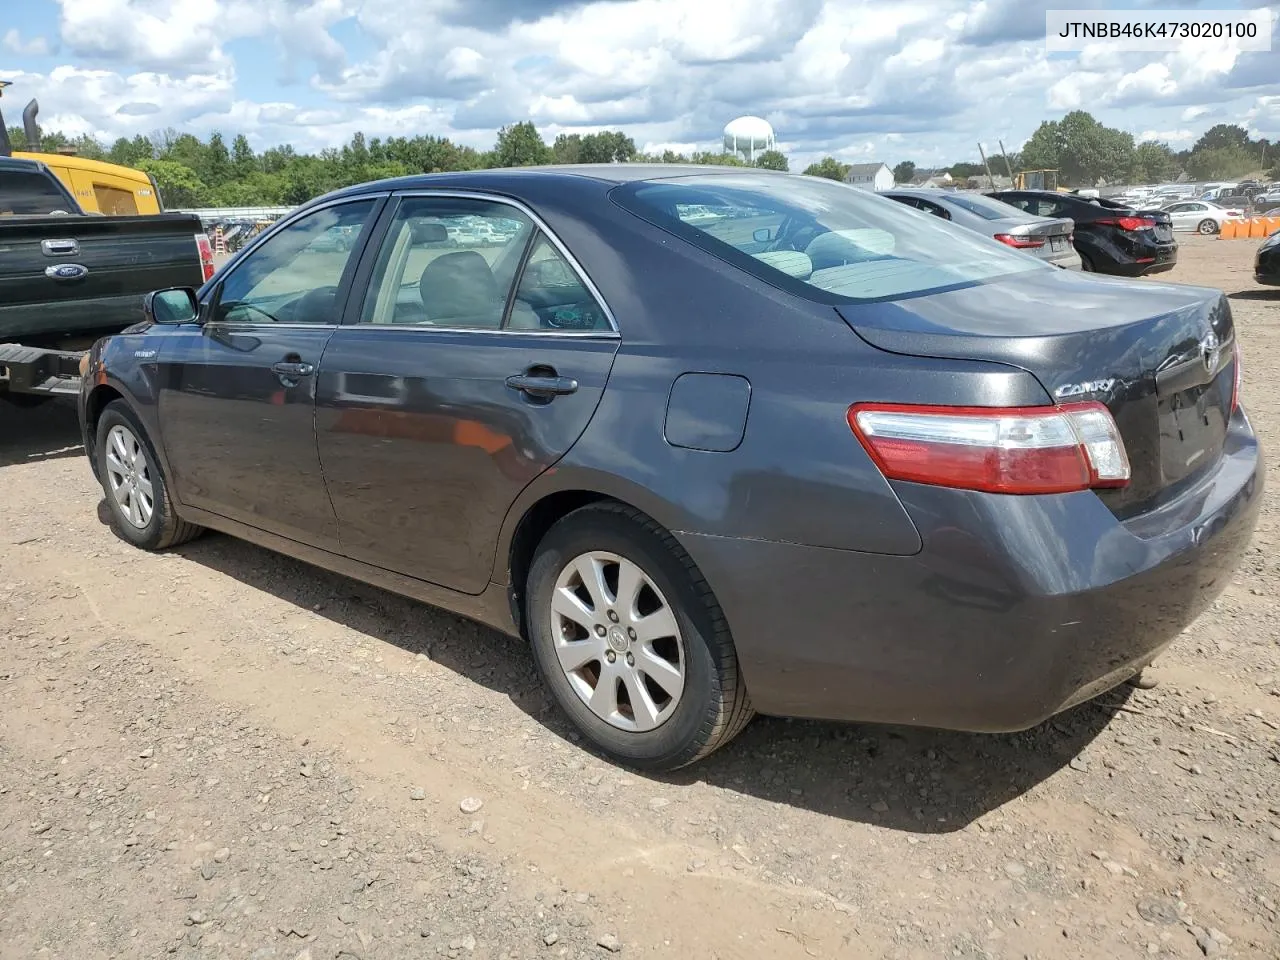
[861, 79]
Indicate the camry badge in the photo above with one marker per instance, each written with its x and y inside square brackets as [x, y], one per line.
[1080, 389]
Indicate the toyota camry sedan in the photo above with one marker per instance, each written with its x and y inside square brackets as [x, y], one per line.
[709, 441]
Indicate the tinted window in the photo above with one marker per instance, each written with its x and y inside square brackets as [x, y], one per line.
[840, 243]
[31, 194]
[447, 262]
[293, 277]
[984, 207]
[551, 295]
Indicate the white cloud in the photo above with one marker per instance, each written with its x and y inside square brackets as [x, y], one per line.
[882, 79]
[35, 47]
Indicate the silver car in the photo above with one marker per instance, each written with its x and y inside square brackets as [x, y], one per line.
[1049, 238]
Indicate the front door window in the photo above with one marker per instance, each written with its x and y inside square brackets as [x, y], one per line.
[295, 275]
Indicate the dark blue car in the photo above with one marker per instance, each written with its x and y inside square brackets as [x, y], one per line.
[712, 441]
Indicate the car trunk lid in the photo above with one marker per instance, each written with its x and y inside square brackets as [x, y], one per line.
[1047, 237]
[1161, 357]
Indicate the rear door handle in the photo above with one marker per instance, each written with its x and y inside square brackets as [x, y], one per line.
[542, 386]
[288, 368]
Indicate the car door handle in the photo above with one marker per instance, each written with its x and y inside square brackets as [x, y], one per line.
[536, 386]
[288, 368]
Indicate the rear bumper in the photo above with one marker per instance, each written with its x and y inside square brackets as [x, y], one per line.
[1015, 609]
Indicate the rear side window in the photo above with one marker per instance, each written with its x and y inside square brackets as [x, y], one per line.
[25, 194]
[827, 241]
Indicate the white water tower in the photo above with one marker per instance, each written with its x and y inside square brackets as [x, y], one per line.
[749, 137]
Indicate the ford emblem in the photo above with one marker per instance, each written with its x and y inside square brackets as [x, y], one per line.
[66, 271]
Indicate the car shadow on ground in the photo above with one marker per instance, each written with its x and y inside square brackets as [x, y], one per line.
[917, 780]
[47, 431]
[1271, 295]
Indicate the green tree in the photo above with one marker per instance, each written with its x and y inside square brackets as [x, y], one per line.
[1153, 162]
[1221, 163]
[963, 171]
[243, 161]
[520, 145]
[179, 185]
[567, 148]
[904, 172]
[714, 159]
[828, 167]
[1081, 149]
[1222, 136]
[608, 146]
[773, 160]
[215, 166]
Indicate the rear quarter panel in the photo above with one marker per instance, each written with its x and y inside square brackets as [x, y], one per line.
[799, 475]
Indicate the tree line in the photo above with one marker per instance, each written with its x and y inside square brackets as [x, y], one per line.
[208, 173]
[1087, 153]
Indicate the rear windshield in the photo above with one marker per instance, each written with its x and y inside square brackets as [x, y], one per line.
[824, 240]
[25, 194]
[985, 207]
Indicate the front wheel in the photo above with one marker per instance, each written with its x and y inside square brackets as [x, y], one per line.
[141, 509]
[1207, 227]
[631, 642]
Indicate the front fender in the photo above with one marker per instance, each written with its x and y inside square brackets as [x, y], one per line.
[126, 367]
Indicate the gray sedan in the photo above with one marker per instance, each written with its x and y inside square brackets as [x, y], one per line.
[708, 440]
[1048, 238]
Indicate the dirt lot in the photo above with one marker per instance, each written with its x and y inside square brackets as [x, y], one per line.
[220, 752]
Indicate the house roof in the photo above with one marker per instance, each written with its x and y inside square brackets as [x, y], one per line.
[866, 169]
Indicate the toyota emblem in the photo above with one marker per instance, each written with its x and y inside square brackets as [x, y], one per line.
[1210, 351]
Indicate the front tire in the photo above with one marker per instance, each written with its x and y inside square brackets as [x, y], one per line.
[631, 642]
[1086, 264]
[1207, 228]
[137, 497]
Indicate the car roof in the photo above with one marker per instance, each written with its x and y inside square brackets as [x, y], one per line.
[566, 177]
[567, 173]
[18, 163]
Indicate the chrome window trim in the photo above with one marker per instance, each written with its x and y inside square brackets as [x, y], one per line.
[541, 224]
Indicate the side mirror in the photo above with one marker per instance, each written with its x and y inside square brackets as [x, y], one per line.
[173, 306]
[763, 235]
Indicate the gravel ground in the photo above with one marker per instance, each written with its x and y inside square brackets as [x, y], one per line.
[221, 752]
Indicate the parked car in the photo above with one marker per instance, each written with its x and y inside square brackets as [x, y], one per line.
[819, 456]
[1201, 216]
[1266, 263]
[1048, 238]
[1110, 237]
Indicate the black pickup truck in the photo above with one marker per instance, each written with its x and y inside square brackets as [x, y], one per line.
[67, 277]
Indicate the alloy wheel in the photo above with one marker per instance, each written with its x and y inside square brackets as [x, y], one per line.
[1208, 227]
[618, 641]
[129, 475]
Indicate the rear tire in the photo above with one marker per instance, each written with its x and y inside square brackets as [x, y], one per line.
[1207, 228]
[593, 653]
[1086, 264]
[137, 497]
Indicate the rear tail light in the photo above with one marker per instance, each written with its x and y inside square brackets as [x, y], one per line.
[1021, 243]
[206, 255]
[1130, 223]
[995, 449]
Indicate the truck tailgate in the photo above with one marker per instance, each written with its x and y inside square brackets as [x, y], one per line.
[80, 275]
